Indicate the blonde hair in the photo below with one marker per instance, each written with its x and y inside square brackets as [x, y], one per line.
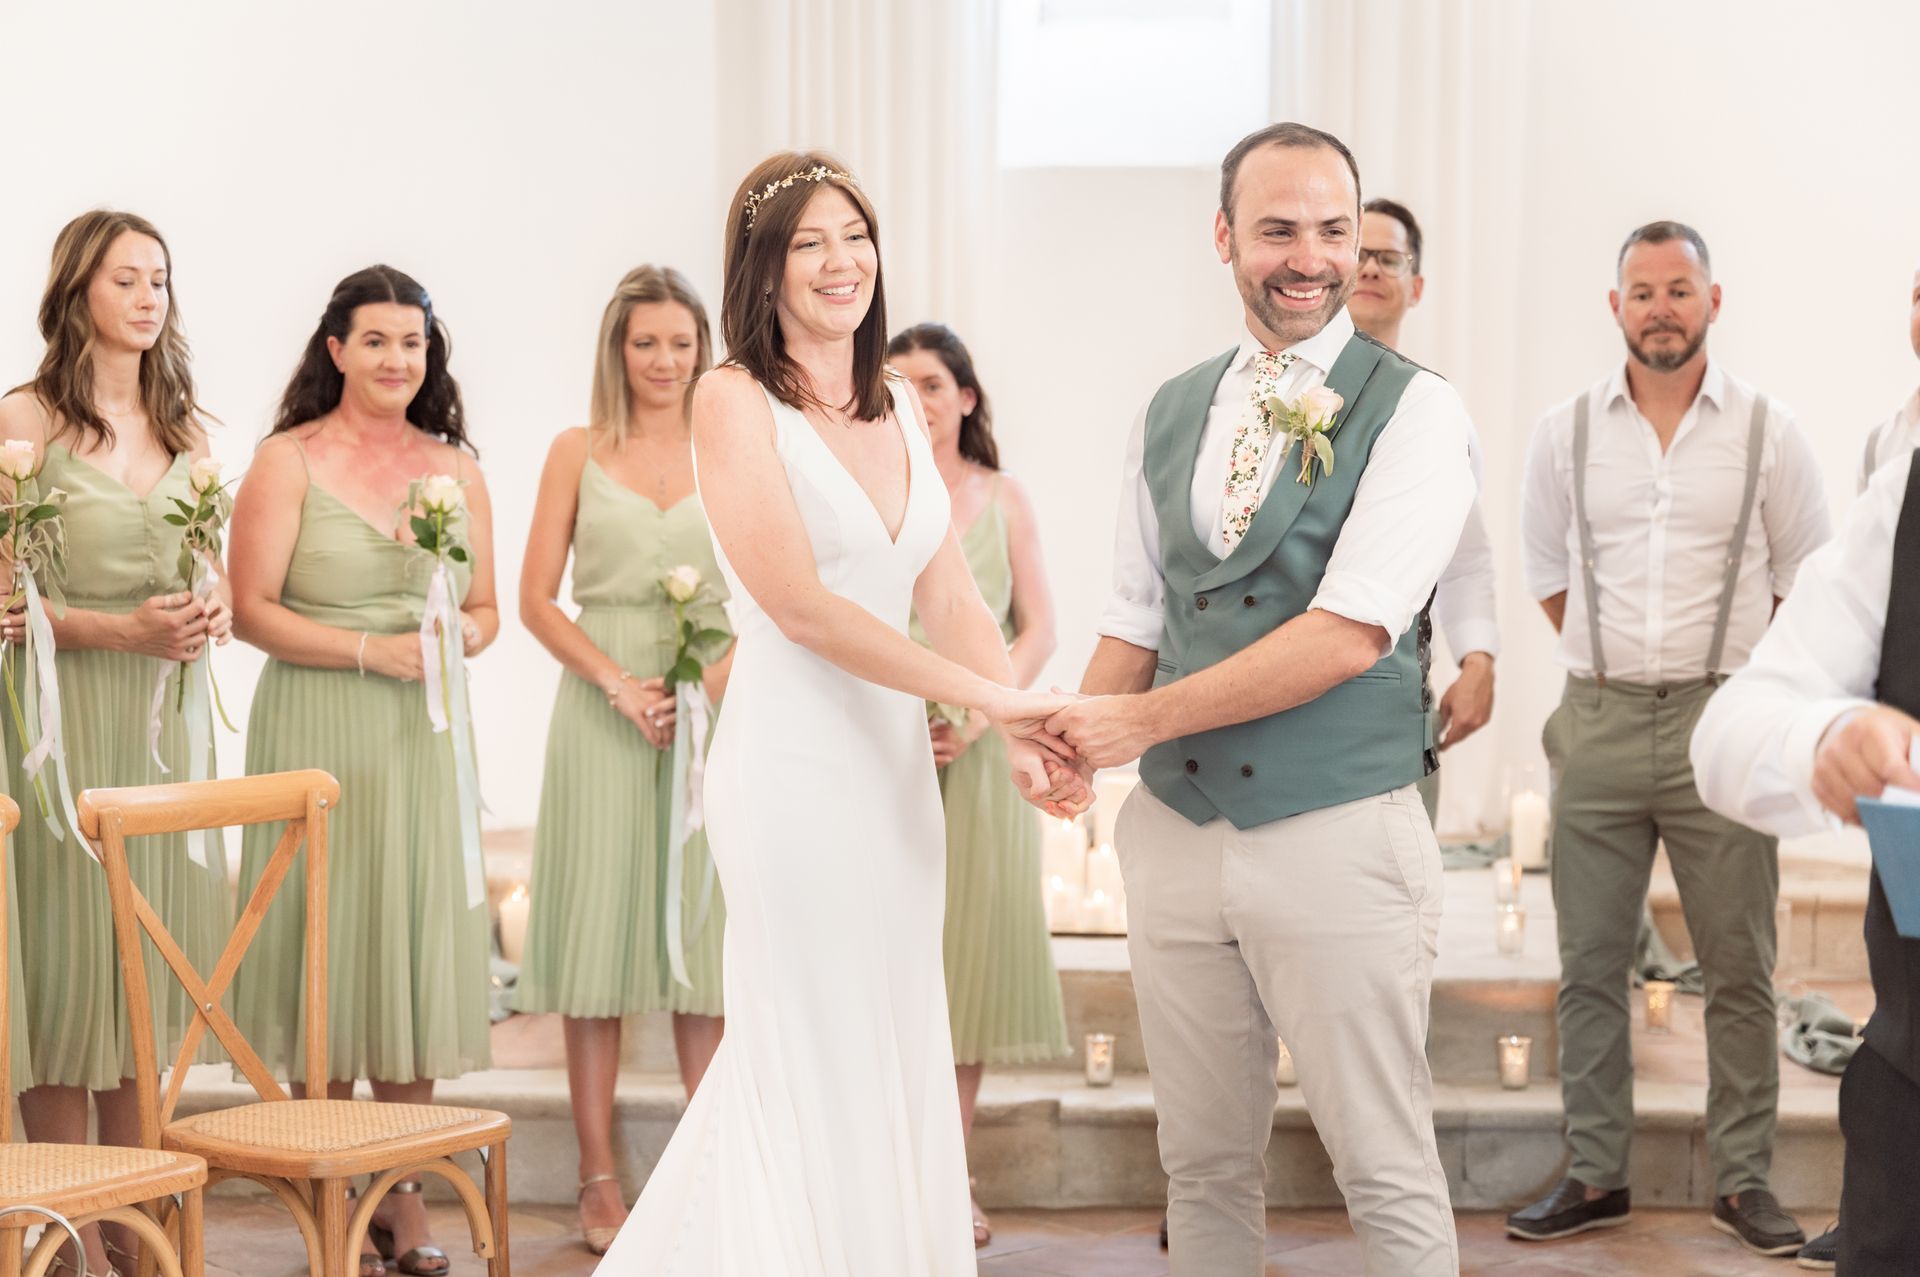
[612, 403]
[64, 382]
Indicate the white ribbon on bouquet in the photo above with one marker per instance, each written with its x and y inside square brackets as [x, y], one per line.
[444, 675]
[197, 712]
[693, 720]
[42, 712]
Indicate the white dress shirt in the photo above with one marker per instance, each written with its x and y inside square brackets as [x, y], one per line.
[1753, 750]
[1897, 436]
[1463, 601]
[1407, 513]
[1661, 527]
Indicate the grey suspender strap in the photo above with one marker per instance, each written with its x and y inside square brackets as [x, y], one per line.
[1756, 444]
[1586, 537]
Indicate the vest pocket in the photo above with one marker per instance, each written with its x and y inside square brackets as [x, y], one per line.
[1376, 676]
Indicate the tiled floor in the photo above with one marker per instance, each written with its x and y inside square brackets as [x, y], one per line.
[254, 1239]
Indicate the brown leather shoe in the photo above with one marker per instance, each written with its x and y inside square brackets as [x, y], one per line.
[1566, 1211]
[1759, 1223]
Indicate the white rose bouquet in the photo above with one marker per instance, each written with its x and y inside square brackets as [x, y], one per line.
[33, 537]
[201, 524]
[434, 505]
[694, 645]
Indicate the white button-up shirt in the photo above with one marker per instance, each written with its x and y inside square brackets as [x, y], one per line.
[1897, 436]
[1407, 514]
[1753, 749]
[1663, 524]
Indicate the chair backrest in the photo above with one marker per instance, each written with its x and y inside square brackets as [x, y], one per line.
[108, 817]
[9, 821]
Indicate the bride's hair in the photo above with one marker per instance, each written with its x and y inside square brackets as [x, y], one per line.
[760, 225]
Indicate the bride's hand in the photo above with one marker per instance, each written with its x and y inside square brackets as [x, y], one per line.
[1023, 715]
[1059, 789]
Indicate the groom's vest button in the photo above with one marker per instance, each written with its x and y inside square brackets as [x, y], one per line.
[1246, 769]
[1248, 600]
[1201, 602]
[1192, 766]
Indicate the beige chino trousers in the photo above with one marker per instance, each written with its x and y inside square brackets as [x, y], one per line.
[1321, 928]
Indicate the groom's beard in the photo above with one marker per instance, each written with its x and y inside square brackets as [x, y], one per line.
[1293, 325]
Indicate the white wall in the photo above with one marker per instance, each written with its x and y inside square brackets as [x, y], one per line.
[515, 159]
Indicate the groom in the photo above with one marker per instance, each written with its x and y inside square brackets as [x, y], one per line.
[1281, 873]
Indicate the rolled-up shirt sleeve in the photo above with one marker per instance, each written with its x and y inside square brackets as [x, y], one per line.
[1412, 500]
[1136, 606]
[1753, 750]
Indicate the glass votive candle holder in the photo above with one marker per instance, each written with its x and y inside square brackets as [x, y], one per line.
[1659, 1006]
[1514, 1052]
[1510, 929]
[1506, 881]
[1283, 1072]
[1099, 1059]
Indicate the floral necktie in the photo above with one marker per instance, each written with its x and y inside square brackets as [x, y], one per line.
[1251, 439]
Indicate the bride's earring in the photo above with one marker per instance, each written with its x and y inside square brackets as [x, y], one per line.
[766, 294]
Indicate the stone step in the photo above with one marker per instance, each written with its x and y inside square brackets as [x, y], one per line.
[1045, 1140]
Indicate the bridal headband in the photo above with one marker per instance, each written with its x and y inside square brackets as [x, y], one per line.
[818, 173]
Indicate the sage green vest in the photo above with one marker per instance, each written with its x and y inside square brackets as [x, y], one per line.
[1370, 734]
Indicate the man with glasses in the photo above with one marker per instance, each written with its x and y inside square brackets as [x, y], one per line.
[1665, 512]
[1388, 286]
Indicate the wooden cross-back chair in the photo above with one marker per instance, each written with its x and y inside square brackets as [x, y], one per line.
[86, 1183]
[304, 1150]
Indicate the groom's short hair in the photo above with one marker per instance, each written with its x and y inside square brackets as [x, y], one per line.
[1289, 134]
[1664, 232]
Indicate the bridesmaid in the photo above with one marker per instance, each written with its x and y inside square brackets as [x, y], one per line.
[620, 494]
[329, 582]
[1003, 994]
[112, 416]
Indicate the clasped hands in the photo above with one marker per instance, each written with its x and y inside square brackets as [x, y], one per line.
[1057, 741]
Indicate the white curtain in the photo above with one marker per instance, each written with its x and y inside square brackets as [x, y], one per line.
[903, 93]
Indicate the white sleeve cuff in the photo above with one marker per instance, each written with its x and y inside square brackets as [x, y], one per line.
[1802, 742]
[1358, 599]
[1472, 634]
[1132, 622]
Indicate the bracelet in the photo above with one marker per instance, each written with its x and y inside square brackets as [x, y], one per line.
[360, 657]
[613, 691]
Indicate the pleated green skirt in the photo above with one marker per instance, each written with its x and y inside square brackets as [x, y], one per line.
[596, 933]
[75, 1021]
[19, 1062]
[407, 995]
[1003, 993]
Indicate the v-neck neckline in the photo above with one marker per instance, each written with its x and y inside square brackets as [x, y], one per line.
[359, 518]
[906, 446]
[641, 496]
[122, 484]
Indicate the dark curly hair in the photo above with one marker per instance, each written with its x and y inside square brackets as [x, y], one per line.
[316, 386]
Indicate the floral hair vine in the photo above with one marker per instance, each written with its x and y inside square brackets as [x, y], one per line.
[818, 173]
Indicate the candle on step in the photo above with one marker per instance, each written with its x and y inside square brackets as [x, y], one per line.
[1099, 1059]
[1515, 1052]
[1659, 1006]
[1506, 881]
[1510, 933]
[1527, 818]
[513, 923]
[1063, 905]
[1284, 1073]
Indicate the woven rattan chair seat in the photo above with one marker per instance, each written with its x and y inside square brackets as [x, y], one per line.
[40, 1174]
[330, 1130]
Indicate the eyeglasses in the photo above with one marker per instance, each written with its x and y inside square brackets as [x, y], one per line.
[1392, 261]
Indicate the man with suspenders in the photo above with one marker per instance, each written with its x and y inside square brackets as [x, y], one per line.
[1665, 512]
[1898, 435]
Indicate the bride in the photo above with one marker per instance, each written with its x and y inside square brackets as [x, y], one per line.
[825, 1139]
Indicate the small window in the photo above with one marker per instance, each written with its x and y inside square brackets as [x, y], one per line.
[1131, 83]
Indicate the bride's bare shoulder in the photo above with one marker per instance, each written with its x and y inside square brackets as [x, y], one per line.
[728, 405]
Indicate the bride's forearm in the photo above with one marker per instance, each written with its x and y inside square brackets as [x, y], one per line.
[838, 630]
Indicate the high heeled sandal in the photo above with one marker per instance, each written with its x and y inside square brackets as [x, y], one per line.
[372, 1263]
[411, 1264]
[982, 1227]
[599, 1240]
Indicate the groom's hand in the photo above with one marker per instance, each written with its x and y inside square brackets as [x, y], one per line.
[1106, 731]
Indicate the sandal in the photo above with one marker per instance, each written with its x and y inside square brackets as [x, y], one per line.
[372, 1264]
[416, 1262]
[982, 1228]
[599, 1240]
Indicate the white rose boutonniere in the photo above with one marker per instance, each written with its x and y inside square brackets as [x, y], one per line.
[1310, 419]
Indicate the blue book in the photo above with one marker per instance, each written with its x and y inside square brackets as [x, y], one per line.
[1893, 830]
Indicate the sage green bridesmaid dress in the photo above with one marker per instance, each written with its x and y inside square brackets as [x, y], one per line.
[408, 978]
[1003, 992]
[596, 935]
[120, 551]
[19, 1061]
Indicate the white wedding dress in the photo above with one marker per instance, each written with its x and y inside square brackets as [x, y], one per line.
[825, 1139]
